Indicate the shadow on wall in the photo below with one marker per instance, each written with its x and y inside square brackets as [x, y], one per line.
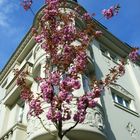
[108, 130]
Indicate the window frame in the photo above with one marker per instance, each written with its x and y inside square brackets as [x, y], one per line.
[117, 98]
[118, 91]
[111, 55]
[88, 76]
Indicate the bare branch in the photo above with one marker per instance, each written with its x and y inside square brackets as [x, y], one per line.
[66, 131]
[49, 131]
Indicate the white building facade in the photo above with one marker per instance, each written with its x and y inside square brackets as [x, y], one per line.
[116, 117]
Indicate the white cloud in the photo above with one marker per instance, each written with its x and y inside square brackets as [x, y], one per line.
[3, 20]
[7, 9]
[2, 2]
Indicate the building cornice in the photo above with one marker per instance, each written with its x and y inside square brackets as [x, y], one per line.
[16, 54]
[115, 43]
[70, 4]
[25, 41]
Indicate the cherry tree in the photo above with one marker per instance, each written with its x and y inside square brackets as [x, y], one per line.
[65, 47]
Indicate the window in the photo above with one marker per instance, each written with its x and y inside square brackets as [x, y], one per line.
[5, 83]
[86, 83]
[88, 77]
[114, 57]
[109, 54]
[104, 51]
[20, 112]
[121, 100]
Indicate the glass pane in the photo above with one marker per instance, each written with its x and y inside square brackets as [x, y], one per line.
[113, 95]
[120, 100]
[126, 103]
[86, 85]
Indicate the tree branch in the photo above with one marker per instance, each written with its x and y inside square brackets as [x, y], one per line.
[66, 131]
[45, 127]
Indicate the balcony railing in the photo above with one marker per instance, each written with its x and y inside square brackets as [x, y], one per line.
[92, 127]
[17, 130]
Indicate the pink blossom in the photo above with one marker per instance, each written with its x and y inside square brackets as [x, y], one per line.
[39, 38]
[56, 39]
[52, 9]
[98, 33]
[92, 103]
[26, 94]
[66, 55]
[82, 102]
[84, 37]
[86, 16]
[69, 98]
[134, 55]
[47, 91]
[68, 33]
[109, 13]
[80, 61]
[49, 114]
[121, 69]
[45, 47]
[26, 4]
[79, 116]
[66, 84]
[58, 115]
[57, 36]
[72, 70]
[55, 77]
[97, 92]
[54, 115]
[75, 83]
[63, 95]
[52, 2]
[20, 81]
[69, 84]
[35, 107]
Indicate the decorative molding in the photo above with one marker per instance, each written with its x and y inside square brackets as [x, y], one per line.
[94, 119]
[14, 58]
[121, 90]
[127, 109]
[132, 130]
[17, 126]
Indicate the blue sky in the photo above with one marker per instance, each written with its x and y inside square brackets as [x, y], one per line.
[15, 22]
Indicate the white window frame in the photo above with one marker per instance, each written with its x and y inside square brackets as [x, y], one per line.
[118, 90]
[116, 99]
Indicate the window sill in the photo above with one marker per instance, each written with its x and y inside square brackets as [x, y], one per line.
[126, 109]
[108, 57]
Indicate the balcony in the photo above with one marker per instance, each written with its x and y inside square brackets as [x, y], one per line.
[39, 55]
[92, 128]
[18, 131]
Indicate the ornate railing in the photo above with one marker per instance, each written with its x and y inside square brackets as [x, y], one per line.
[94, 122]
[8, 134]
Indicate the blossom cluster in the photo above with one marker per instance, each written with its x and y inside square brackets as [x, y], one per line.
[65, 46]
[112, 11]
[35, 107]
[26, 4]
[134, 55]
